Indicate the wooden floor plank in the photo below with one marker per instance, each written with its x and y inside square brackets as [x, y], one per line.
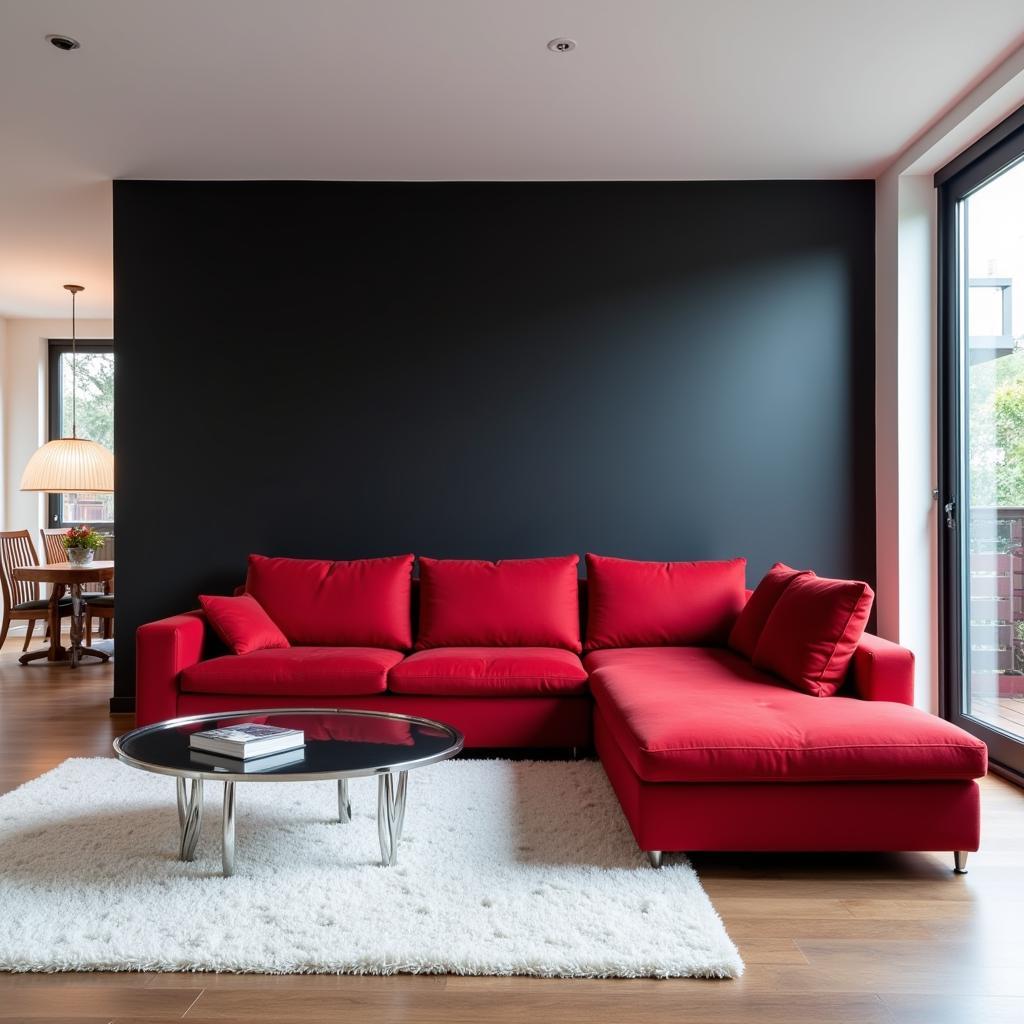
[93, 1001]
[945, 1009]
[471, 1001]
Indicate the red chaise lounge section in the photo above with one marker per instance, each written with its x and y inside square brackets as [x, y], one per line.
[707, 753]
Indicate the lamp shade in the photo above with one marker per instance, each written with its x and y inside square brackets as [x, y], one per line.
[68, 465]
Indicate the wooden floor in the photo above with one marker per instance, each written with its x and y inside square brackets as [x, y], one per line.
[866, 939]
[1006, 713]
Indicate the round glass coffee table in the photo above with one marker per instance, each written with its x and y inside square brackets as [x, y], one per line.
[340, 745]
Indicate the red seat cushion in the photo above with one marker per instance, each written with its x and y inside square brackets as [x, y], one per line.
[812, 632]
[242, 623]
[365, 603]
[748, 627]
[639, 604]
[297, 671]
[490, 672]
[514, 602]
[693, 714]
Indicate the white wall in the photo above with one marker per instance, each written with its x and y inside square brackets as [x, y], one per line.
[907, 518]
[24, 410]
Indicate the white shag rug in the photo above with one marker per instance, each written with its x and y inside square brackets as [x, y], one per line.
[504, 868]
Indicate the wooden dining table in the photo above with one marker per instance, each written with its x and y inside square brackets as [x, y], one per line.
[66, 576]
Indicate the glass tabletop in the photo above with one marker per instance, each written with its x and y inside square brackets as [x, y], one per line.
[339, 744]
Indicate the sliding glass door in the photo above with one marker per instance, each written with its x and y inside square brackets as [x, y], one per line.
[982, 373]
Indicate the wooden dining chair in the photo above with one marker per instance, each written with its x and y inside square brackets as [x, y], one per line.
[21, 598]
[99, 606]
[53, 549]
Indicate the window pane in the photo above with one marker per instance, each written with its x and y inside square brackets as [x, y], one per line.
[94, 411]
[87, 508]
[992, 294]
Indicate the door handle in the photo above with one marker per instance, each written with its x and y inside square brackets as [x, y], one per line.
[950, 509]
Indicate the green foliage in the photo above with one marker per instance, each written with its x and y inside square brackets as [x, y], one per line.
[1009, 431]
[996, 432]
[95, 397]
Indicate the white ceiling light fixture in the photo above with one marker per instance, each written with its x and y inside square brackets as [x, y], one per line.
[561, 45]
[70, 464]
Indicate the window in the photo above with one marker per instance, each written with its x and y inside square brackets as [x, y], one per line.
[94, 407]
[981, 226]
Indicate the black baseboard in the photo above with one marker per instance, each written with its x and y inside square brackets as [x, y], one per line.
[122, 705]
[1005, 772]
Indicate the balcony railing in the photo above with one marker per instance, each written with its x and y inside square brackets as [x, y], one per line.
[996, 602]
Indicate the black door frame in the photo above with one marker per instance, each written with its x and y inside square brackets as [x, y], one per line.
[997, 151]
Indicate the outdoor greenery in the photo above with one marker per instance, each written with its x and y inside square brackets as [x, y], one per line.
[997, 431]
[95, 397]
[95, 394]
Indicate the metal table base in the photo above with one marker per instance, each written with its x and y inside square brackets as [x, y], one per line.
[391, 794]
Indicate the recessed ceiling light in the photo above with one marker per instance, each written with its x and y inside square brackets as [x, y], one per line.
[562, 45]
[63, 42]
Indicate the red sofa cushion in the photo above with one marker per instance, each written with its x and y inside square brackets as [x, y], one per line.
[490, 672]
[693, 714]
[748, 627]
[242, 623]
[640, 604]
[365, 603]
[526, 602]
[298, 671]
[812, 632]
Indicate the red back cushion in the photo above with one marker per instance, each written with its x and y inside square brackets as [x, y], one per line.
[650, 604]
[525, 602]
[747, 630]
[364, 603]
[242, 623]
[812, 632]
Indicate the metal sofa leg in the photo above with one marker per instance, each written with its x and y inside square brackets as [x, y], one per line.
[960, 862]
[654, 856]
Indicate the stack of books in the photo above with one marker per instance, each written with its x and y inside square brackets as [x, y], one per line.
[248, 748]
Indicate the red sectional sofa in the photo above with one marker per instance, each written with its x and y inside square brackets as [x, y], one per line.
[725, 719]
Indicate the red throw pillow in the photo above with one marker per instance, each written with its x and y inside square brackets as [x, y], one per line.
[654, 604]
[364, 603]
[242, 623]
[514, 602]
[750, 624]
[812, 632]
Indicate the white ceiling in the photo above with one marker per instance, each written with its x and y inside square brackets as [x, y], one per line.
[449, 89]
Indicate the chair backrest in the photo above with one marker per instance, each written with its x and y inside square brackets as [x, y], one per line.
[17, 550]
[53, 549]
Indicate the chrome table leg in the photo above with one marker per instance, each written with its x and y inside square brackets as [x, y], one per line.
[654, 856]
[228, 830]
[344, 804]
[190, 817]
[960, 862]
[390, 814]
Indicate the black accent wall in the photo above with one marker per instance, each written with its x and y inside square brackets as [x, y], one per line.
[653, 370]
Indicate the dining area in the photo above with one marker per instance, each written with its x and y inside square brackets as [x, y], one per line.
[57, 571]
[79, 592]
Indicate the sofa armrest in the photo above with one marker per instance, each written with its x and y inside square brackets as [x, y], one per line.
[163, 650]
[882, 670]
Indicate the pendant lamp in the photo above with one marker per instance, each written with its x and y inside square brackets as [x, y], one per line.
[72, 463]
